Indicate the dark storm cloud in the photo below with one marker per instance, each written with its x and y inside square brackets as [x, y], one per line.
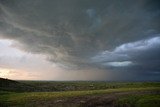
[141, 52]
[72, 32]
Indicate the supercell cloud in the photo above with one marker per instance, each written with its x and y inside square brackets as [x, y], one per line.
[107, 36]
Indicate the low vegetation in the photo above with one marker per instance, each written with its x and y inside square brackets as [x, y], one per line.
[79, 94]
[148, 100]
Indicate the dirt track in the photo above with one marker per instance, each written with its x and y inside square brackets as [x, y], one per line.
[106, 100]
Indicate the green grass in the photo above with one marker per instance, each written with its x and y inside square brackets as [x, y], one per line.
[139, 101]
[28, 97]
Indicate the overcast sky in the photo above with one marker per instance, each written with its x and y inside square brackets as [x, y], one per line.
[80, 39]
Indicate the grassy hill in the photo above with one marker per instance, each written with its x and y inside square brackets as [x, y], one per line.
[15, 86]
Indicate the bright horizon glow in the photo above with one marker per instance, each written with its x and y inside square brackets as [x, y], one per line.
[4, 72]
[17, 64]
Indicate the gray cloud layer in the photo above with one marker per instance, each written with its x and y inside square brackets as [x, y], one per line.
[87, 33]
[139, 53]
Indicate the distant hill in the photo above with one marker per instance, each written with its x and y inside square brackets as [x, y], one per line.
[11, 85]
[25, 86]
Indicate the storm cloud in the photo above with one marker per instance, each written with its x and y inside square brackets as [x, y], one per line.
[113, 36]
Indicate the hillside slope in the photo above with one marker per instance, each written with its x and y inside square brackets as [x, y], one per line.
[11, 85]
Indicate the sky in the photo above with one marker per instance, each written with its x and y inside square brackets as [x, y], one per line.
[110, 40]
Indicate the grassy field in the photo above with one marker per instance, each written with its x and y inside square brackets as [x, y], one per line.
[148, 100]
[79, 94]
